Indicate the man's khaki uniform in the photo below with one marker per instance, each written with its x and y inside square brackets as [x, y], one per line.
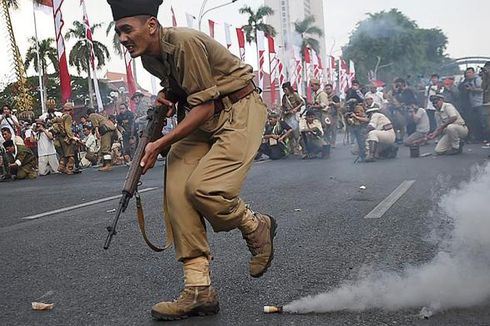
[312, 135]
[289, 102]
[205, 170]
[320, 98]
[26, 163]
[106, 132]
[383, 131]
[453, 132]
[64, 140]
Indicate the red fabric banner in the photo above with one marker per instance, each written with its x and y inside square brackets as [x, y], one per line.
[211, 27]
[174, 21]
[65, 79]
[241, 43]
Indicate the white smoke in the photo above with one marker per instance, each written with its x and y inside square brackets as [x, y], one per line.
[458, 276]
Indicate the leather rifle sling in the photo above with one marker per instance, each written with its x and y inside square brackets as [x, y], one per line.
[141, 223]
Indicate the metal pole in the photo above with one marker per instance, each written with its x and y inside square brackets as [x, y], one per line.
[201, 14]
[39, 65]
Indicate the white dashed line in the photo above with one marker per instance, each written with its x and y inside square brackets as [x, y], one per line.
[389, 201]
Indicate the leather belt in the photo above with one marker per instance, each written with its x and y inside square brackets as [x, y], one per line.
[233, 97]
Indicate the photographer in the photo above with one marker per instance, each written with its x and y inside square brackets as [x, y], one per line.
[312, 136]
[8, 120]
[274, 139]
[357, 122]
[422, 126]
[380, 131]
[48, 161]
[471, 90]
[432, 89]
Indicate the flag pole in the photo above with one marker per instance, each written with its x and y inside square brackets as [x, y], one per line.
[39, 65]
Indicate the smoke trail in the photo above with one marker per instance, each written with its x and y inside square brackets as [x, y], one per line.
[458, 276]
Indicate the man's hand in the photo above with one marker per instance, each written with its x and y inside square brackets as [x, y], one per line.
[161, 100]
[151, 153]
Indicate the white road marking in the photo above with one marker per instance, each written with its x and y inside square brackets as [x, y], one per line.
[70, 208]
[389, 201]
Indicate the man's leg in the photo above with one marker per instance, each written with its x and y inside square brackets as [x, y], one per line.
[43, 165]
[455, 133]
[105, 150]
[53, 162]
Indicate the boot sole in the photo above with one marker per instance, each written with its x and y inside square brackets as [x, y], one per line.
[197, 312]
[272, 235]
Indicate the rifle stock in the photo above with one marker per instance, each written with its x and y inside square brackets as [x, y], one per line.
[153, 131]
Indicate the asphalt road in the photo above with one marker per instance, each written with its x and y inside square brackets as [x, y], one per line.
[323, 239]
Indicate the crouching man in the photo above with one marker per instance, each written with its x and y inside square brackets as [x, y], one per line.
[276, 134]
[312, 136]
[25, 163]
[452, 127]
[380, 131]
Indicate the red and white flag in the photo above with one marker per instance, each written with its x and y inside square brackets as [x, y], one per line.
[190, 20]
[261, 55]
[352, 72]
[308, 72]
[130, 78]
[241, 43]
[88, 36]
[211, 27]
[45, 6]
[65, 79]
[343, 75]
[273, 68]
[228, 35]
[174, 21]
[332, 72]
[298, 70]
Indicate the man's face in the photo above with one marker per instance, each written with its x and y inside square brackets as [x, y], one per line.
[373, 89]
[122, 108]
[310, 118]
[434, 80]
[10, 149]
[6, 110]
[286, 90]
[470, 74]
[369, 101]
[437, 103]
[315, 86]
[355, 86]
[86, 132]
[6, 135]
[272, 121]
[328, 89]
[135, 33]
[68, 111]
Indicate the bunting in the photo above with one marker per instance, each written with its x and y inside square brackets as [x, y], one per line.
[228, 35]
[261, 57]
[130, 78]
[273, 67]
[308, 74]
[65, 79]
[88, 35]
[343, 75]
[211, 27]
[241, 43]
[174, 20]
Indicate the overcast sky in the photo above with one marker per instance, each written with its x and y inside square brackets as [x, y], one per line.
[463, 22]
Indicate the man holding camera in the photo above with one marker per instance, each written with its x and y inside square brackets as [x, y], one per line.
[321, 106]
[48, 161]
[312, 136]
[452, 128]
[419, 117]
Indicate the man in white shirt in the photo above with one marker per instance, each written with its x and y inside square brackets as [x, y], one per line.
[452, 127]
[48, 161]
[380, 131]
[8, 120]
[422, 126]
[91, 147]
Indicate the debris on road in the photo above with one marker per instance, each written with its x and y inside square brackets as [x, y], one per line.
[297, 209]
[425, 313]
[363, 187]
[40, 306]
[272, 310]
[111, 210]
[425, 154]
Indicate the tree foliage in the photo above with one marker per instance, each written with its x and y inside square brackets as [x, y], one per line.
[256, 22]
[388, 44]
[307, 30]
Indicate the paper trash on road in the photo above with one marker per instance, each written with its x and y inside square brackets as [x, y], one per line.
[297, 209]
[42, 306]
[111, 210]
[363, 187]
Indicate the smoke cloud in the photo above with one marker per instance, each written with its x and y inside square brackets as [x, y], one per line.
[457, 277]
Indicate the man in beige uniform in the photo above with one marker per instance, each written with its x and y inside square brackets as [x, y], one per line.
[65, 139]
[380, 131]
[212, 147]
[104, 131]
[452, 127]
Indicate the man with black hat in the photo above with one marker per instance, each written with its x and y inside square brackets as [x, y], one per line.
[452, 127]
[221, 120]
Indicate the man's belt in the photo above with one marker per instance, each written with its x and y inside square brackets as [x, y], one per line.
[233, 97]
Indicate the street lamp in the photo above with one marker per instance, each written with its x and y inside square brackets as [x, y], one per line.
[202, 12]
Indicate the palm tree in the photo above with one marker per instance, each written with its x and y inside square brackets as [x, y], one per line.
[117, 46]
[307, 30]
[47, 55]
[256, 22]
[79, 56]
[23, 99]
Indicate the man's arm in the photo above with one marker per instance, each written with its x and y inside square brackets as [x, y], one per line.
[196, 117]
[441, 128]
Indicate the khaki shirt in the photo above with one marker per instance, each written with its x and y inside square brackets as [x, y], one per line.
[291, 101]
[378, 121]
[305, 126]
[98, 120]
[195, 68]
[447, 112]
[321, 98]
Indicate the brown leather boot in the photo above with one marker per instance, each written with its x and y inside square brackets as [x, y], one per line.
[62, 167]
[70, 165]
[193, 301]
[107, 167]
[372, 151]
[260, 242]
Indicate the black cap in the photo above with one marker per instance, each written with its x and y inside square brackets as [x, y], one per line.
[130, 8]
[286, 85]
[309, 113]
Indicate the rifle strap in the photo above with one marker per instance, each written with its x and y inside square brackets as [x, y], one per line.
[141, 223]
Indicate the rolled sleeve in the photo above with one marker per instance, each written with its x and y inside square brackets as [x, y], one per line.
[194, 70]
[19, 163]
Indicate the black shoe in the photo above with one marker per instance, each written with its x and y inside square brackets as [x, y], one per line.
[5, 178]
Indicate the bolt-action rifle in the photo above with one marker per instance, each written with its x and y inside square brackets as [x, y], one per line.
[156, 121]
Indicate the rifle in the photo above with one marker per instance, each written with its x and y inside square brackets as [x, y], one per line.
[153, 131]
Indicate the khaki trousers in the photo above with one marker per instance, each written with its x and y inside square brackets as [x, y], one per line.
[106, 143]
[205, 172]
[451, 136]
[48, 164]
[381, 136]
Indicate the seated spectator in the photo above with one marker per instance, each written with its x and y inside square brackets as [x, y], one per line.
[275, 137]
[91, 147]
[452, 127]
[312, 139]
[7, 135]
[48, 161]
[422, 126]
[25, 163]
[380, 131]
